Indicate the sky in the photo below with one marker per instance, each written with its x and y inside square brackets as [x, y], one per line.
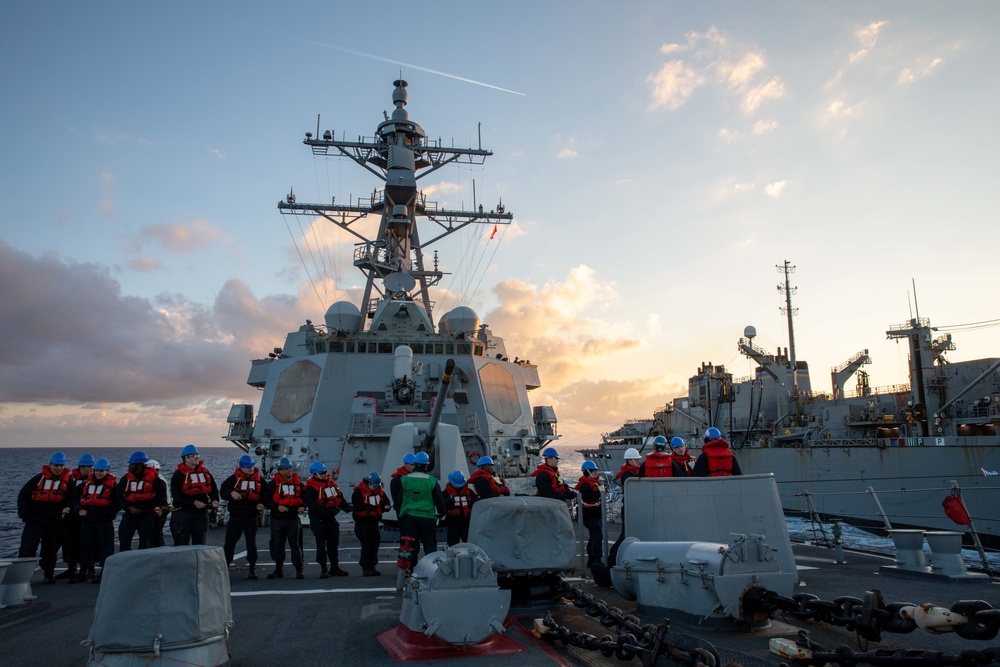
[660, 158]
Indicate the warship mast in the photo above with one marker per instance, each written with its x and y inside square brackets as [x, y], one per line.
[787, 268]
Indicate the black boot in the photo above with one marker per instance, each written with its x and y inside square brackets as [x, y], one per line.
[323, 572]
[336, 571]
[278, 571]
[70, 573]
[298, 573]
[253, 572]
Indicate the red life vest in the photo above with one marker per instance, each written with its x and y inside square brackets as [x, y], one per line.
[399, 472]
[328, 494]
[373, 501]
[595, 485]
[138, 490]
[658, 464]
[720, 459]
[684, 461]
[497, 485]
[288, 493]
[248, 487]
[462, 500]
[197, 480]
[627, 468]
[51, 489]
[554, 479]
[97, 492]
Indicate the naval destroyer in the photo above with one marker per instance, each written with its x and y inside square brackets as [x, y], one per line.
[333, 392]
[885, 457]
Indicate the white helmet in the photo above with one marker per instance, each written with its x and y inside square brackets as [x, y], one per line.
[631, 453]
[155, 465]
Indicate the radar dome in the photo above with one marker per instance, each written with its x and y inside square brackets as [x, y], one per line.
[343, 316]
[460, 320]
[749, 332]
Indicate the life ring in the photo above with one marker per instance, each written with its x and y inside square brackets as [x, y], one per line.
[474, 457]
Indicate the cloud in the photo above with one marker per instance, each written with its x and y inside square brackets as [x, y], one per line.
[867, 37]
[775, 189]
[219, 155]
[673, 84]
[559, 322]
[729, 136]
[838, 110]
[764, 126]
[921, 68]
[444, 187]
[71, 336]
[567, 154]
[183, 237]
[108, 136]
[738, 68]
[145, 264]
[729, 188]
[106, 205]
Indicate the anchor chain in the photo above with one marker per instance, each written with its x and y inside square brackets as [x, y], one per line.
[814, 655]
[870, 616]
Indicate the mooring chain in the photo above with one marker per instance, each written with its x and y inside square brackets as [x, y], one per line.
[812, 654]
[871, 616]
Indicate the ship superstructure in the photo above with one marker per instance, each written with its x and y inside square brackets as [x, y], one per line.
[334, 391]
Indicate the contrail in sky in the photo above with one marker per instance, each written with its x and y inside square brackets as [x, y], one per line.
[417, 67]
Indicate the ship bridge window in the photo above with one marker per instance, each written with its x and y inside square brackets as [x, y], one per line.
[320, 347]
[350, 347]
[464, 348]
[438, 348]
[337, 346]
[418, 348]
[385, 348]
[479, 350]
[449, 348]
[362, 347]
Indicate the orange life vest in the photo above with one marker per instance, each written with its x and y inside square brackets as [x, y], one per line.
[497, 485]
[594, 485]
[197, 480]
[554, 479]
[684, 461]
[248, 487]
[288, 493]
[97, 492]
[51, 489]
[328, 494]
[720, 459]
[373, 501]
[138, 490]
[461, 500]
[659, 464]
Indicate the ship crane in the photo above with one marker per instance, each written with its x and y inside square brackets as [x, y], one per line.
[839, 375]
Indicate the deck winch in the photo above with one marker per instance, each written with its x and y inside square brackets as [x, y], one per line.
[453, 595]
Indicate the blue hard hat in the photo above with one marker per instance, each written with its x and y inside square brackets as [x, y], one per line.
[138, 457]
[457, 479]
[588, 465]
[246, 461]
[57, 459]
[676, 441]
[484, 461]
[549, 451]
[284, 463]
[659, 442]
[409, 459]
[189, 450]
[421, 458]
[317, 466]
[85, 460]
[102, 464]
[374, 479]
[712, 434]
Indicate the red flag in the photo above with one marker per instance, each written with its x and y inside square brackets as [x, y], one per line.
[493, 233]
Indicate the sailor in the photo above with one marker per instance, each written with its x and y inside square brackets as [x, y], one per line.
[324, 500]
[369, 503]
[97, 509]
[591, 489]
[41, 504]
[548, 483]
[243, 491]
[143, 496]
[283, 496]
[485, 482]
[71, 522]
[398, 474]
[680, 455]
[418, 504]
[716, 459]
[628, 470]
[193, 490]
[458, 499]
[658, 462]
[158, 533]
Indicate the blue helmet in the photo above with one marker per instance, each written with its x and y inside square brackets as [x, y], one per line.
[317, 466]
[373, 478]
[85, 460]
[138, 457]
[284, 463]
[102, 464]
[246, 461]
[189, 450]
[588, 465]
[712, 434]
[457, 479]
[676, 442]
[549, 451]
[659, 442]
[57, 459]
[409, 459]
[421, 458]
[484, 461]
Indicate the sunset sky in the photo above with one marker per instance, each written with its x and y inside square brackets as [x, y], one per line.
[660, 159]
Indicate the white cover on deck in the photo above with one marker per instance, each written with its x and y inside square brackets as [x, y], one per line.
[524, 534]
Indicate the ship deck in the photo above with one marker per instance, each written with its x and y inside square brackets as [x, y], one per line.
[339, 619]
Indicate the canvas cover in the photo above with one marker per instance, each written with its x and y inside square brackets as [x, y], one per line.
[180, 593]
[524, 534]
